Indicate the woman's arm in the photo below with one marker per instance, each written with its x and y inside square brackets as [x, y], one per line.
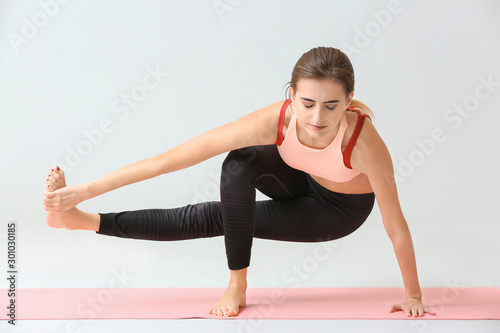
[257, 128]
[371, 157]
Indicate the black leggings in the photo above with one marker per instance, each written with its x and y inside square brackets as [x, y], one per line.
[301, 210]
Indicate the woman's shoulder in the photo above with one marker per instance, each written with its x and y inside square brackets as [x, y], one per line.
[369, 146]
[368, 131]
[261, 124]
[271, 114]
[276, 108]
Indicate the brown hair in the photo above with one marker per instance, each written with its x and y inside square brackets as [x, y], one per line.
[326, 63]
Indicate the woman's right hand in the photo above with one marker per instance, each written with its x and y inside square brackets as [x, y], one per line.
[64, 198]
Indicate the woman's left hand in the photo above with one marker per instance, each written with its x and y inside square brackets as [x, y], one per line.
[412, 306]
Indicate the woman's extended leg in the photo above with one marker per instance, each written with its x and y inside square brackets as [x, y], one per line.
[187, 222]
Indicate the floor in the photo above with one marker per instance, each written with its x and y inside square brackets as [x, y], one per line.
[247, 326]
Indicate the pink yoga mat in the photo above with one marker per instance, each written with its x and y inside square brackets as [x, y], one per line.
[262, 303]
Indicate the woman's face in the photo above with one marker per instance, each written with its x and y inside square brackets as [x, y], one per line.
[318, 105]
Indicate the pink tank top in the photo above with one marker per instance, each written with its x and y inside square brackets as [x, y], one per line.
[329, 162]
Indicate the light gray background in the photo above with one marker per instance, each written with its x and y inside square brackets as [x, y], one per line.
[412, 68]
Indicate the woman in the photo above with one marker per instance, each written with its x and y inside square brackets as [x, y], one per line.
[321, 164]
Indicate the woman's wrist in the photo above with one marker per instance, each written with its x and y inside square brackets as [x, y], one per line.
[416, 297]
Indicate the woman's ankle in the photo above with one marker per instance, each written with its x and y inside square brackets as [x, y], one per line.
[238, 279]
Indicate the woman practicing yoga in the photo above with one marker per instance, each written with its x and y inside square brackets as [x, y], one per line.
[315, 155]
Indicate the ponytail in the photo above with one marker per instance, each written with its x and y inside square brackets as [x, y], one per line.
[362, 107]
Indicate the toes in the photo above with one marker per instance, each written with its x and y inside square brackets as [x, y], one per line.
[224, 311]
[219, 311]
[231, 312]
[49, 186]
[60, 177]
[50, 183]
[56, 178]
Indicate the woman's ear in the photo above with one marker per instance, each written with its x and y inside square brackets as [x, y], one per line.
[349, 99]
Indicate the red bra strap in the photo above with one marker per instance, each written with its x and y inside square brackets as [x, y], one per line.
[348, 149]
[279, 139]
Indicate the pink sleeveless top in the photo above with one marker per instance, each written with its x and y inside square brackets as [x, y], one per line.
[330, 162]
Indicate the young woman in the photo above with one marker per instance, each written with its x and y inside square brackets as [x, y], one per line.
[314, 154]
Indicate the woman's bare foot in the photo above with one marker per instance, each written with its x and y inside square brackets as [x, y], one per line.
[235, 296]
[73, 218]
[230, 303]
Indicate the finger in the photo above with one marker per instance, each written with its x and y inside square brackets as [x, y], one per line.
[50, 205]
[48, 202]
[393, 308]
[50, 208]
[49, 195]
